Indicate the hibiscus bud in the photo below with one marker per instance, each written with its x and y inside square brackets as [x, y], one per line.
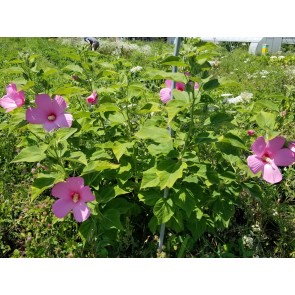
[92, 99]
[251, 132]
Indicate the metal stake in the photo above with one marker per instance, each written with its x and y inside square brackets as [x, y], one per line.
[166, 190]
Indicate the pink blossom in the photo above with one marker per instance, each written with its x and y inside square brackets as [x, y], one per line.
[178, 85]
[291, 146]
[283, 113]
[196, 85]
[165, 95]
[92, 99]
[13, 99]
[251, 132]
[49, 112]
[268, 156]
[72, 195]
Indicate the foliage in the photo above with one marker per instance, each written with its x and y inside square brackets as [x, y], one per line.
[123, 149]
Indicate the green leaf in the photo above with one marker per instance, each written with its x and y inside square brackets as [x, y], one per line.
[73, 68]
[86, 230]
[150, 178]
[30, 154]
[218, 118]
[163, 210]
[211, 84]
[174, 61]
[184, 199]
[169, 171]
[108, 107]
[266, 120]
[150, 108]
[150, 197]
[120, 148]
[268, 104]
[155, 133]
[108, 193]
[111, 219]
[176, 222]
[224, 210]
[43, 182]
[180, 96]
[74, 90]
[94, 166]
[77, 157]
[162, 148]
[234, 140]
[64, 133]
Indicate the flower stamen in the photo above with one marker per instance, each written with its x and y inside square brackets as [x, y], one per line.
[75, 197]
[51, 117]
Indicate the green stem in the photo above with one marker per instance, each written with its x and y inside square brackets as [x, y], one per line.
[191, 127]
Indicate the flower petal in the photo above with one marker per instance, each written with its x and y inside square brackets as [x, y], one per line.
[180, 86]
[11, 89]
[59, 105]
[81, 212]
[7, 103]
[168, 83]
[165, 95]
[283, 157]
[258, 146]
[64, 120]
[75, 184]
[271, 173]
[62, 207]
[275, 144]
[35, 116]
[255, 164]
[86, 194]
[44, 103]
[50, 125]
[61, 190]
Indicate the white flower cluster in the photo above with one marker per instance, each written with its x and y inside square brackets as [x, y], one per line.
[247, 241]
[120, 47]
[136, 69]
[274, 57]
[243, 97]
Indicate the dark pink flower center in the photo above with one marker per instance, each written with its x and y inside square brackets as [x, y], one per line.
[75, 197]
[267, 157]
[51, 117]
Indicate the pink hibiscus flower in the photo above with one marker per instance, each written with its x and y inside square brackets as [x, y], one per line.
[72, 195]
[13, 99]
[92, 99]
[49, 112]
[178, 85]
[165, 95]
[268, 156]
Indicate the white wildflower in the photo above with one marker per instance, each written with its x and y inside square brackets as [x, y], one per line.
[273, 57]
[234, 100]
[247, 241]
[246, 96]
[281, 57]
[136, 69]
[264, 73]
